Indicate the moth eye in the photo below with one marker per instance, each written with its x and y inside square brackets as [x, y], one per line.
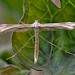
[57, 3]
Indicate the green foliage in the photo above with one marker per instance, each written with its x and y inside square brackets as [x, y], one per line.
[10, 11]
[6, 69]
[53, 60]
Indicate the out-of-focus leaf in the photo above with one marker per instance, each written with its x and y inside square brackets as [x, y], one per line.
[22, 72]
[10, 11]
[6, 54]
[2, 63]
[8, 70]
[53, 60]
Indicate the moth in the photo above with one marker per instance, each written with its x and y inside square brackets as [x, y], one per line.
[36, 26]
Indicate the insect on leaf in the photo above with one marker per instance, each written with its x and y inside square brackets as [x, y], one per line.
[57, 3]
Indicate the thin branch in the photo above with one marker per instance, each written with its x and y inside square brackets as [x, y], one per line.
[18, 27]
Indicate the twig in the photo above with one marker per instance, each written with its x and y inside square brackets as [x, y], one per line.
[18, 27]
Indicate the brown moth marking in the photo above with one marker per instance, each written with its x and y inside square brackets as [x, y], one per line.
[57, 3]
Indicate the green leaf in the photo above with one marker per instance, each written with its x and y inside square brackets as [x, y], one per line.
[54, 60]
[9, 70]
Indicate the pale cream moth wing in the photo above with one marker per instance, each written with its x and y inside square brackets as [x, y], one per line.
[57, 3]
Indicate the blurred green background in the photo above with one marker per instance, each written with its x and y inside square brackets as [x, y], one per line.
[62, 62]
[10, 13]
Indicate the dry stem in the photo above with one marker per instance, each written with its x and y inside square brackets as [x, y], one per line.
[17, 27]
